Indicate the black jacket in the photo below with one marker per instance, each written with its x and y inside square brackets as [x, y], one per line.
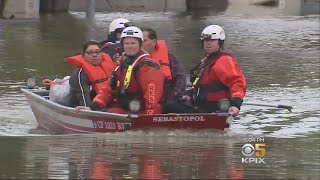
[81, 91]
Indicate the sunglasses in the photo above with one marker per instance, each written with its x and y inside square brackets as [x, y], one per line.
[93, 52]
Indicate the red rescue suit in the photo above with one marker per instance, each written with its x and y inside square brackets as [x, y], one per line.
[219, 78]
[146, 85]
[98, 75]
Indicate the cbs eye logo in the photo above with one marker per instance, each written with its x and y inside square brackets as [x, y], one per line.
[259, 149]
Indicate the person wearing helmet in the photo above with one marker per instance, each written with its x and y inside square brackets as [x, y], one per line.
[115, 29]
[112, 45]
[136, 78]
[173, 69]
[217, 77]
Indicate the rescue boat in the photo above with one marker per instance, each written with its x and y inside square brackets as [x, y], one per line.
[64, 120]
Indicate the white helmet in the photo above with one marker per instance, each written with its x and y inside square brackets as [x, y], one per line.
[119, 23]
[132, 31]
[213, 32]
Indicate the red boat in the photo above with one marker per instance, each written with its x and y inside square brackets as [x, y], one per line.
[61, 119]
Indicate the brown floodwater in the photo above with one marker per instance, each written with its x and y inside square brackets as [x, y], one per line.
[278, 53]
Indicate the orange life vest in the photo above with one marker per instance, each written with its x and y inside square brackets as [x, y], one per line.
[160, 54]
[98, 75]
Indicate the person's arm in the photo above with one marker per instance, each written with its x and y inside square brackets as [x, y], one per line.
[151, 81]
[80, 85]
[178, 75]
[228, 72]
[103, 98]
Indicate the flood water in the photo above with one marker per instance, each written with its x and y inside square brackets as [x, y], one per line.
[278, 53]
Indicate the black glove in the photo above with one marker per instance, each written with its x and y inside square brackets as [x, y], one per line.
[236, 102]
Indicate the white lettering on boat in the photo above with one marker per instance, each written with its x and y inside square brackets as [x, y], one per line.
[97, 124]
[120, 126]
[178, 118]
[108, 125]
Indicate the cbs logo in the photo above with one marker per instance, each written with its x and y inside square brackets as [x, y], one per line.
[259, 149]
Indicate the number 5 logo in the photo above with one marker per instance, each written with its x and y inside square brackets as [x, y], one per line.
[260, 150]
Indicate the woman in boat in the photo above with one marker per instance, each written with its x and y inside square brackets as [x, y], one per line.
[93, 70]
[138, 79]
[217, 77]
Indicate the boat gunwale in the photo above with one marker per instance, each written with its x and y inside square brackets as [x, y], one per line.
[100, 114]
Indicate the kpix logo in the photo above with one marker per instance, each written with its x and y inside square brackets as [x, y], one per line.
[254, 154]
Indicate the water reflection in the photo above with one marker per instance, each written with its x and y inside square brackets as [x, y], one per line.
[147, 157]
[58, 163]
[105, 157]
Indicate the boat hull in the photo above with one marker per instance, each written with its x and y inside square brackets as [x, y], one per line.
[61, 119]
